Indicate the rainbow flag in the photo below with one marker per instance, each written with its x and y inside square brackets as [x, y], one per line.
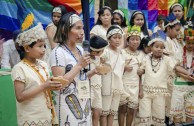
[40, 8]
[153, 8]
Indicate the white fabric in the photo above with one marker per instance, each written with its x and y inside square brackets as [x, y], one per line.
[131, 79]
[157, 28]
[33, 109]
[100, 31]
[96, 84]
[10, 56]
[61, 57]
[57, 10]
[73, 19]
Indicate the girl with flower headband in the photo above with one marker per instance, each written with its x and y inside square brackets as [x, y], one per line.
[119, 19]
[182, 102]
[104, 21]
[31, 78]
[138, 18]
[112, 84]
[131, 79]
[156, 67]
[67, 60]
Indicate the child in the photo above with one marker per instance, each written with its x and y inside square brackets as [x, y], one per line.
[31, 79]
[156, 66]
[138, 18]
[112, 85]
[103, 23]
[144, 45]
[160, 23]
[131, 79]
[173, 49]
[97, 45]
[119, 19]
[183, 90]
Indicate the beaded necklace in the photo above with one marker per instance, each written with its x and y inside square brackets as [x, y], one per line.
[156, 66]
[36, 69]
[185, 65]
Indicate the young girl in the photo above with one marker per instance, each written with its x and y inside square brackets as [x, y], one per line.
[138, 18]
[97, 45]
[112, 85]
[183, 90]
[144, 45]
[131, 79]
[178, 10]
[156, 66]
[172, 49]
[31, 80]
[119, 19]
[103, 23]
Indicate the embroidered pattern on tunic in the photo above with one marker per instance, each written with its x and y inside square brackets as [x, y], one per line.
[156, 90]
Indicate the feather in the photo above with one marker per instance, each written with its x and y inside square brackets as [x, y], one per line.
[28, 21]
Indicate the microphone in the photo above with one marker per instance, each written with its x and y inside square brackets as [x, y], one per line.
[86, 47]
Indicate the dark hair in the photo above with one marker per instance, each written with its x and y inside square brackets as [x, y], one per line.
[160, 17]
[15, 34]
[101, 12]
[21, 50]
[63, 29]
[182, 19]
[63, 10]
[123, 19]
[144, 27]
[144, 43]
[170, 26]
[112, 27]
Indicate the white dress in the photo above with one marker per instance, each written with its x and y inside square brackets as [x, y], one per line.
[100, 31]
[70, 110]
[33, 111]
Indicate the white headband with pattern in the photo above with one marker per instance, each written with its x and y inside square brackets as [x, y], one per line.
[172, 23]
[116, 30]
[57, 10]
[120, 12]
[73, 19]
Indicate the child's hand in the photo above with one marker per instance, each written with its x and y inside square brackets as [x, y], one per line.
[191, 77]
[140, 71]
[52, 85]
[128, 68]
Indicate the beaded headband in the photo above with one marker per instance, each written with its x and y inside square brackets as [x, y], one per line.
[73, 19]
[116, 30]
[172, 20]
[120, 12]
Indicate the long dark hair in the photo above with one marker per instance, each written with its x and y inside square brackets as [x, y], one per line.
[63, 29]
[144, 28]
[101, 12]
[171, 9]
[123, 19]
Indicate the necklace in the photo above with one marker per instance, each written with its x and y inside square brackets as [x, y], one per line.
[185, 63]
[136, 53]
[155, 64]
[37, 68]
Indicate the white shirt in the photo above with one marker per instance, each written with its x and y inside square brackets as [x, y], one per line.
[10, 55]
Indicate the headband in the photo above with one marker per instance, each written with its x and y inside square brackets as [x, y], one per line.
[73, 19]
[116, 30]
[135, 30]
[96, 50]
[137, 12]
[120, 12]
[172, 23]
[107, 7]
[157, 36]
[57, 10]
[176, 4]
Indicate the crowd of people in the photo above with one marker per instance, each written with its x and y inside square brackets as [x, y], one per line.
[142, 77]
